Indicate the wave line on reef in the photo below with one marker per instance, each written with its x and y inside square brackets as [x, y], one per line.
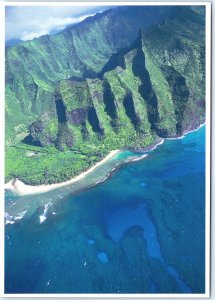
[12, 219]
[43, 217]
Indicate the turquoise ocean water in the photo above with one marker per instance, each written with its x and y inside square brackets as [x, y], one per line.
[140, 231]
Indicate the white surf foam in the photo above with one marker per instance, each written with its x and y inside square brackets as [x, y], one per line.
[140, 157]
[201, 125]
[20, 215]
[176, 138]
[8, 218]
[185, 133]
[158, 144]
[12, 219]
[43, 217]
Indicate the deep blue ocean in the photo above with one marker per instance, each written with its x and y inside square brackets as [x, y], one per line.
[140, 231]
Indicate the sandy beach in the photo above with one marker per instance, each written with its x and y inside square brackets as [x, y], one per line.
[18, 187]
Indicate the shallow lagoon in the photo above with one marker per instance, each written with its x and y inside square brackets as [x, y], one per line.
[140, 231]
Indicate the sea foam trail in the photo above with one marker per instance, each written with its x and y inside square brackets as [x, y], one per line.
[43, 217]
[176, 138]
[12, 219]
[20, 215]
[8, 219]
[140, 157]
[158, 144]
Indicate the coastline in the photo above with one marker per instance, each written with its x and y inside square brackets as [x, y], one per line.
[20, 188]
[185, 132]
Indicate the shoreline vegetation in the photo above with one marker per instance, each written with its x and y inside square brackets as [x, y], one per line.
[22, 189]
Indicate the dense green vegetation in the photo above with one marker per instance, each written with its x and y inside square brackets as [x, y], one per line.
[47, 165]
[103, 84]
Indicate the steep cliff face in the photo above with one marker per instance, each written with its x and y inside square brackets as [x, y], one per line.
[143, 91]
[101, 85]
[34, 68]
[109, 109]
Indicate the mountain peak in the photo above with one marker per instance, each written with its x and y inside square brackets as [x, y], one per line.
[118, 59]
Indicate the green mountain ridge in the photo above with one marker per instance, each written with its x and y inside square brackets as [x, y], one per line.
[113, 93]
[34, 68]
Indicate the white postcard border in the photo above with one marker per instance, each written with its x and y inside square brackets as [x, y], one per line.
[208, 147]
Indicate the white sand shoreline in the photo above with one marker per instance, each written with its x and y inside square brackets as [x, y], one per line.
[20, 188]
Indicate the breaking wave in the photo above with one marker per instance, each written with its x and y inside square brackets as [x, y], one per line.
[43, 217]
